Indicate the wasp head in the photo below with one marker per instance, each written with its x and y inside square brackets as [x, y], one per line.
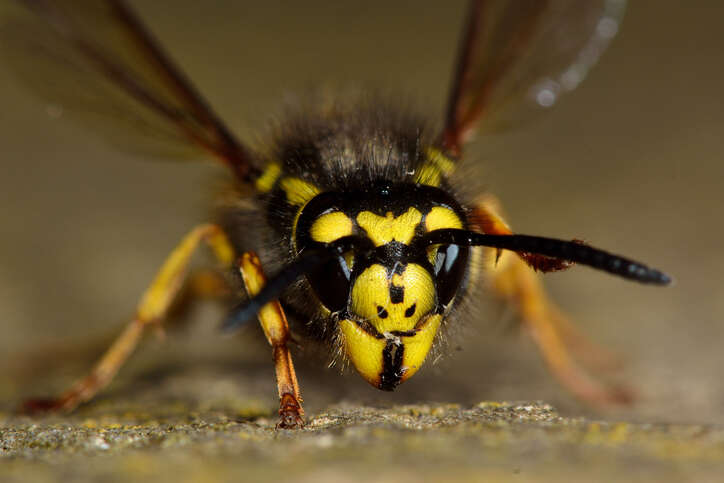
[387, 293]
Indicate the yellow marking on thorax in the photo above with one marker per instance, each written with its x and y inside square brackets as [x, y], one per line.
[384, 229]
[330, 227]
[265, 182]
[298, 191]
[436, 166]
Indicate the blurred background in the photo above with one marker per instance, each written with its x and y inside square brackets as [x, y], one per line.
[630, 162]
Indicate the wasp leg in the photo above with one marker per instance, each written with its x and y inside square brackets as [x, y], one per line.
[275, 326]
[200, 285]
[151, 311]
[515, 282]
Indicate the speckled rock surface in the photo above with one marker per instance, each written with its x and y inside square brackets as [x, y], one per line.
[523, 441]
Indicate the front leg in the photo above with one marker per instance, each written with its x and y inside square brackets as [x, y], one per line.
[151, 311]
[515, 281]
[276, 329]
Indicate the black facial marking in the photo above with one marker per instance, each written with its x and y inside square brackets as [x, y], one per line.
[392, 366]
[410, 310]
[397, 294]
[381, 312]
[399, 268]
[333, 281]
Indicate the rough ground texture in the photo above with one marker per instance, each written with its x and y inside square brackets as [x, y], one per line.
[118, 440]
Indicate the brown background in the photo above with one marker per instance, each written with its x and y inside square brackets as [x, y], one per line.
[631, 162]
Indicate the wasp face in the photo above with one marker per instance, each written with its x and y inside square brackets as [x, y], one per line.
[388, 298]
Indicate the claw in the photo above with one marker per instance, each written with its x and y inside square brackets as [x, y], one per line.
[291, 414]
[37, 406]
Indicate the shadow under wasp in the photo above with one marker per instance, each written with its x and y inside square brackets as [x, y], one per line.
[351, 203]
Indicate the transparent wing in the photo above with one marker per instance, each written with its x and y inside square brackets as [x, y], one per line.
[519, 56]
[95, 60]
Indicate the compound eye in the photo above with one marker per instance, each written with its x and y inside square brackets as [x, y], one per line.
[331, 283]
[450, 265]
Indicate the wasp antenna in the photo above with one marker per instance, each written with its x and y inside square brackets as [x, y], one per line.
[572, 251]
[247, 309]
[306, 262]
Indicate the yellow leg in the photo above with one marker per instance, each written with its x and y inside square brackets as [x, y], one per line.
[201, 284]
[151, 310]
[516, 283]
[275, 326]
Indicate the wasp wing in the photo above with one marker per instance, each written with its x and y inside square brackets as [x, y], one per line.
[95, 59]
[518, 56]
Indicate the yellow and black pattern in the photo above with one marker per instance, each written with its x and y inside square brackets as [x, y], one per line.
[375, 175]
[367, 242]
[388, 303]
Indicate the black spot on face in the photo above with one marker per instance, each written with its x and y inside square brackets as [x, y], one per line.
[381, 312]
[397, 294]
[410, 310]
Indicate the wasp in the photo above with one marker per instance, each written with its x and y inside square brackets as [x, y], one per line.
[352, 204]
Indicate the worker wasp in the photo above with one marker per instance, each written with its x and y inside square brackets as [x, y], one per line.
[351, 204]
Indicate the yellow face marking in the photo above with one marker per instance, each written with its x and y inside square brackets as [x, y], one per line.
[418, 346]
[364, 350]
[330, 227]
[372, 297]
[265, 182]
[438, 218]
[384, 229]
[298, 191]
[436, 166]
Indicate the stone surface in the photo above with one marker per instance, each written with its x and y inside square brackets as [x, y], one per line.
[116, 440]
